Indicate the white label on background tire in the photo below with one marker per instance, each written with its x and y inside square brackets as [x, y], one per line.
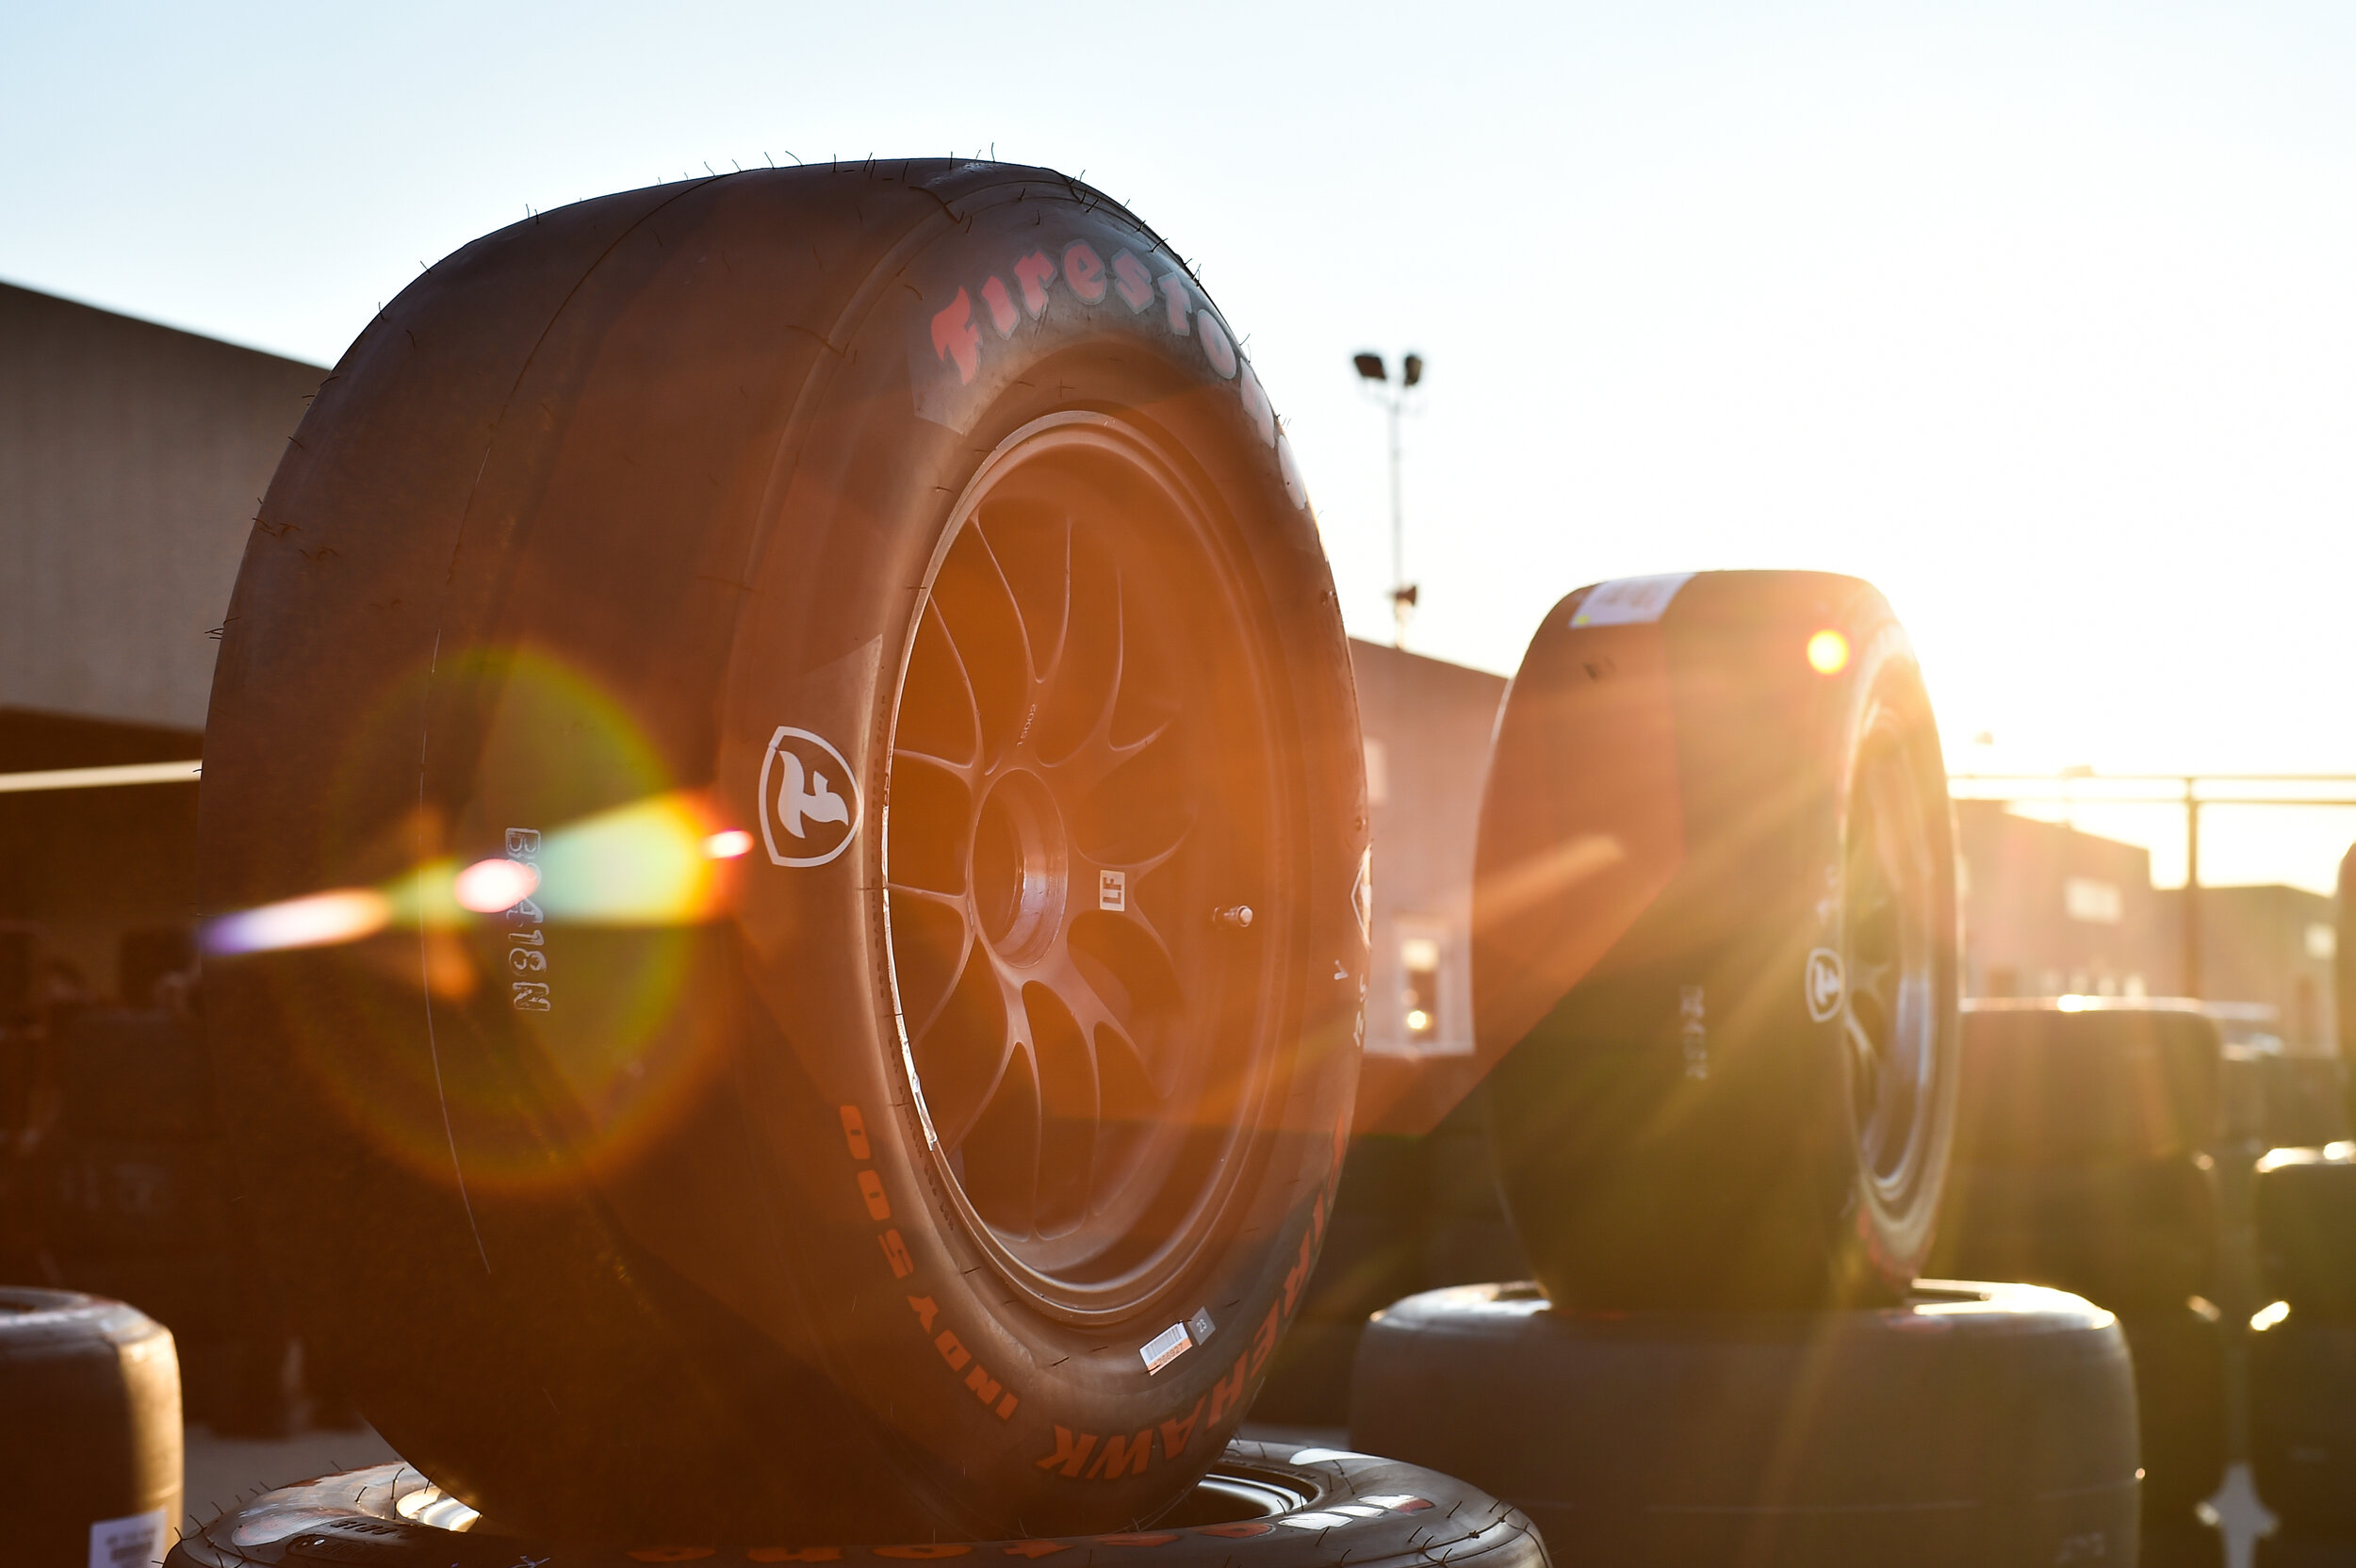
[1630, 601]
[134, 1541]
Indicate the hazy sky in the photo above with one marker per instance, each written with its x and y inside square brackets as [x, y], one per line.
[2042, 316]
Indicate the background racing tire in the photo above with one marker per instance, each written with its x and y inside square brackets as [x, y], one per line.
[89, 1429]
[784, 810]
[1972, 1425]
[1714, 945]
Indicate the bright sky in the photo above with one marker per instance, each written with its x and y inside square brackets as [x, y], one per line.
[2040, 315]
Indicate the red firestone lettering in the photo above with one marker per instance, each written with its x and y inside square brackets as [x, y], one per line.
[1134, 284]
[952, 1350]
[1034, 272]
[925, 1307]
[1174, 293]
[957, 336]
[1257, 408]
[854, 1134]
[870, 1188]
[1083, 269]
[1002, 311]
[1215, 346]
[985, 1387]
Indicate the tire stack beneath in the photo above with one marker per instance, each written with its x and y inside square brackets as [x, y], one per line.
[1715, 969]
[2303, 1355]
[2079, 1165]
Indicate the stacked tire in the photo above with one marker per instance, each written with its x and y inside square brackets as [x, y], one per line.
[1966, 1425]
[1258, 1506]
[1714, 964]
[2302, 1354]
[2080, 1165]
[786, 843]
[90, 1443]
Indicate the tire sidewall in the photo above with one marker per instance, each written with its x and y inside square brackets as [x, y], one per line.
[916, 1311]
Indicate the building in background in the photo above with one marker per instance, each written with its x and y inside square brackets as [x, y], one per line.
[2048, 910]
[132, 459]
[1427, 726]
[2271, 945]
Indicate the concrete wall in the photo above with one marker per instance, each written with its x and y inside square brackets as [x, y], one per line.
[132, 459]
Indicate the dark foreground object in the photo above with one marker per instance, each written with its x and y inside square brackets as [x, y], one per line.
[89, 1429]
[1259, 1507]
[1973, 1425]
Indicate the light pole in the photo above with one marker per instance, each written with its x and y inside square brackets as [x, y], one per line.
[1403, 592]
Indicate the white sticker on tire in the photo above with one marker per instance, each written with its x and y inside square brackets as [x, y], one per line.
[134, 1541]
[809, 799]
[1630, 601]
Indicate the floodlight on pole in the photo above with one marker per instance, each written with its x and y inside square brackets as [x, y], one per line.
[1403, 592]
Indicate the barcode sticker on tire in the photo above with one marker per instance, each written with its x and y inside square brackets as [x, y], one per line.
[134, 1541]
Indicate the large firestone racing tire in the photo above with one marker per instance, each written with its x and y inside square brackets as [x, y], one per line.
[1714, 944]
[1259, 1506]
[783, 805]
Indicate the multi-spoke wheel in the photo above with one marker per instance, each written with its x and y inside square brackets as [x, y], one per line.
[1891, 1014]
[1081, 813]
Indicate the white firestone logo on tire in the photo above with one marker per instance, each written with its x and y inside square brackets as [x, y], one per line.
[1827, 985]
[809, 799]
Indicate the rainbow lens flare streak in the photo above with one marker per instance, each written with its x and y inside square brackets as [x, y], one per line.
[657, 862]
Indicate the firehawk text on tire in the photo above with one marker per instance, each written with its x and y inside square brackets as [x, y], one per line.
[1714, 945]
[1258, 1506]
[785, 827]
[1970, 1424]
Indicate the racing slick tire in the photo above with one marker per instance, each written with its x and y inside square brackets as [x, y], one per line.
[2303, 1421]
[1714, 945]
[786, 841]
[91, 1442]
[1259, 1506]
[1970, 1424]
[2305, 1201]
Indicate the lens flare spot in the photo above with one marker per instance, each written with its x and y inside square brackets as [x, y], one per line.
[318, 920]
[491, 887]
[1828, 652]
[639, 864]
[729, 843]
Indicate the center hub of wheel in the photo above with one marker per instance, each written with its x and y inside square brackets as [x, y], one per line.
[1022, 867]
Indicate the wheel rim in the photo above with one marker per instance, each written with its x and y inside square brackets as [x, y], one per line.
[1079, 867]
[1889, 1014]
